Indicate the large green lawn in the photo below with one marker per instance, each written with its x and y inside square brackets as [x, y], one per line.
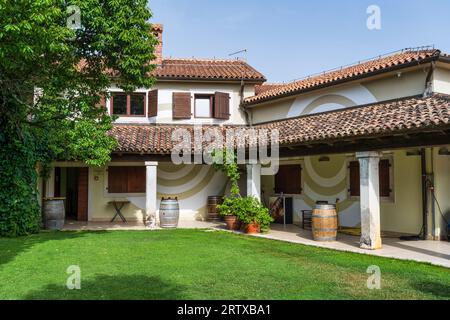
[189, 264]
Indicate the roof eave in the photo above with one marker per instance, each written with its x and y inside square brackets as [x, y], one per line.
[341, 81]
[199, 79]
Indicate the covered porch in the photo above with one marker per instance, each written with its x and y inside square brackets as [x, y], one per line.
[382, 194]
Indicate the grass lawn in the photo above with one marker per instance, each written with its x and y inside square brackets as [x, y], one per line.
[198, 264]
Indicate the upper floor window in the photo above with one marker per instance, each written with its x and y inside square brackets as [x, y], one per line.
[128, 105]
[204, 106]
[216, 106]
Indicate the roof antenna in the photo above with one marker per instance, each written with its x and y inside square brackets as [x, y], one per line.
[238, 52]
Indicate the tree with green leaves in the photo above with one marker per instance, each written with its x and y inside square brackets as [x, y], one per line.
[53, 73]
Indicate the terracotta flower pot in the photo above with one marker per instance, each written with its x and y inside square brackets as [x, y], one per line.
[252, 228]
[232, 222]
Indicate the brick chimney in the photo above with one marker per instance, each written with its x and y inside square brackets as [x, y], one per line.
[157, 30]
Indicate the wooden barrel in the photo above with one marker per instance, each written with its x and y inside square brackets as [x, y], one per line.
[324, 223]
[213, 211]
[54, 213]
[169, 213]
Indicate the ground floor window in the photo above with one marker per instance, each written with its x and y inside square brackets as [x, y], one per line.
[126, 179]
[384, 176]
[288, 180]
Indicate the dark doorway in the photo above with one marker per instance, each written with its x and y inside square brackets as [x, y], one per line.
[72, 184]
[72, 193]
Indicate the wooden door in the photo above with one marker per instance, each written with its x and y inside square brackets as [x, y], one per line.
[83, 183]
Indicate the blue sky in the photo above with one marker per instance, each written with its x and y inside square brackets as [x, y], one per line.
[289, 39]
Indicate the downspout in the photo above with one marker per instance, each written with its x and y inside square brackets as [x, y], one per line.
[248, 118]
[427, 92]
[424, 194]
[433, 202]
[429, 80]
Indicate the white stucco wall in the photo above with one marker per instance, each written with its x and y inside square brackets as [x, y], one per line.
[441, 81]
[388, 87]
[166, 89]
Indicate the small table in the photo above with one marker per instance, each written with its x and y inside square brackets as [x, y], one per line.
[118, 205]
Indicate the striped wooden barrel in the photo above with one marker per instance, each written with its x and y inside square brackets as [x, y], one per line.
[213, 211]
[169, 213]
[54, 213]
[324, 223]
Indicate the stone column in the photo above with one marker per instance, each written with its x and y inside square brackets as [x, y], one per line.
[150, 194]
[370, 200]
[254, 180]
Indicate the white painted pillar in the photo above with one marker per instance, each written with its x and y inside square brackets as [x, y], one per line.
[370, 200]
[150, 194]
[254, 180]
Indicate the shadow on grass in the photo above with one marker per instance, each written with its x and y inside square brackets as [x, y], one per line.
[103, 287]
[12, 247]
[439, 290]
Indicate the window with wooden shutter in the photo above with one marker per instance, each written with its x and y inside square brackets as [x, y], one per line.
[152, 104]
[102, 102]
[384, 178]
[128, 105]
[354, 179]
[222, 105]
[126, 179]
[288, 180]
[181, 108]
[203, 105]
[385, 181]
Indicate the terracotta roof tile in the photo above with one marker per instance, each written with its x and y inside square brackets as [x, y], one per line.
[260, 89]
[204, 69]
[405, 115]
[402, 116]
[383, 63]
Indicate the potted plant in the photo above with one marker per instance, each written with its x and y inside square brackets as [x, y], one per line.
[226, 161]
[254, 215]
[237, 209]
[228, 209]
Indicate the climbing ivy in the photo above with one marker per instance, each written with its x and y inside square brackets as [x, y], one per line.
[225, 160]
[51, 80]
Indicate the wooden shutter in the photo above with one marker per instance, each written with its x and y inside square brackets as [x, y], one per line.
[384, 176]
[136, 179]
[385, 182]
[117, 180]
[152, 103]
[126, 179]
[354, 179]
[83, 194]
[221, 105]
[181, 105]
[288, 179]
[102, 102]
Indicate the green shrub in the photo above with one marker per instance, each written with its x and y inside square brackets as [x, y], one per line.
[248, 210]
[20, 213]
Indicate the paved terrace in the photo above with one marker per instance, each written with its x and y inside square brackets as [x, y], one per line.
[434, 252]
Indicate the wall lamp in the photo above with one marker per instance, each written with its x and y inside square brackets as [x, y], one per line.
[324, 159]
[412, 153]
[444, 152]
